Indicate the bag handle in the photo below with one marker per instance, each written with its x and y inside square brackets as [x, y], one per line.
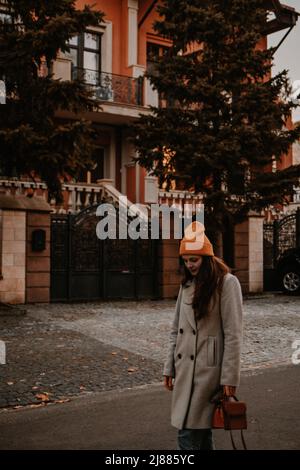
[226, 397]
[242, 438]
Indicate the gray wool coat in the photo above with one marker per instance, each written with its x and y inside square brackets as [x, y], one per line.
[203, 356]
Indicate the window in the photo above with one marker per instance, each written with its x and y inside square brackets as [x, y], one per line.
[2, 92]
[153, 52]
[86, 56]
[5, 17]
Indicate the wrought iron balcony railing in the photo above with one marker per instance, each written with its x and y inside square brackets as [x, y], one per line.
[112, 87]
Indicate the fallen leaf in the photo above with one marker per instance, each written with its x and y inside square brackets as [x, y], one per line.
[132, 369]
[10, 383]
[42, 396]
[114, 353]
[34, 388]
[82, 387]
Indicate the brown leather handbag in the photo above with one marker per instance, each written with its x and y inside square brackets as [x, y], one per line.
[230, 415]
[218, 416]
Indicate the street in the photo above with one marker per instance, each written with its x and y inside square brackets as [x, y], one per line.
[139, 418]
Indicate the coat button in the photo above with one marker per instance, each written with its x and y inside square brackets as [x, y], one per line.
[194, 332]
[181, 330]
[179, 356]
[192, 357]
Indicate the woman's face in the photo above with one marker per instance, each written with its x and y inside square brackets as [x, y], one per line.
[192, 263]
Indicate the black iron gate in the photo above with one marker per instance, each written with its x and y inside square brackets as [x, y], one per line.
[83, 267]
[279, 236]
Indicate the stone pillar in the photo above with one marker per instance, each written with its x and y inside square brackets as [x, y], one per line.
[241, 254]
[12, 281]
[168, 263]
[169, 269]
[151, 190]
[18, 216]
[256, 254]
[249, 254]
[38, 262]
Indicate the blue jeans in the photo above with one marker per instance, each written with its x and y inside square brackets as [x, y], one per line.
[195, 439]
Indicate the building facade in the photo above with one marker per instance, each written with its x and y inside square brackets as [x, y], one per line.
[112, 58]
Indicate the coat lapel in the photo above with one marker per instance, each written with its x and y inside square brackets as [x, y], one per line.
[188, 294]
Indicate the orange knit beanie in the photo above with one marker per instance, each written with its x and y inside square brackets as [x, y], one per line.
[195, 242]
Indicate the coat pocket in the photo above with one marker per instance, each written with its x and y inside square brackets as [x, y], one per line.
[211, 351]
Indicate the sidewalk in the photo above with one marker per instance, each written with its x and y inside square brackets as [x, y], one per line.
[139, 419]
[59, 351]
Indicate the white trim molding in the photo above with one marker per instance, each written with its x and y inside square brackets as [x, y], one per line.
[107, 48]
[133, 7]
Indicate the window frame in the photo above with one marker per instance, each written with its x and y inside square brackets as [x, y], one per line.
[4, 9]
[80, 49]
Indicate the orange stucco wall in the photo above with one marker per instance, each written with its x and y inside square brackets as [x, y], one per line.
[116, 12]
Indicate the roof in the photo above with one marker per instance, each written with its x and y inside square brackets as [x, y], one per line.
[285, 16]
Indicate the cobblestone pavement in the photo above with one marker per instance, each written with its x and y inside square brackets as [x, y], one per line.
[59, 351]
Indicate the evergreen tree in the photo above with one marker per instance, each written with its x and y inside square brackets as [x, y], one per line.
[33, 141]
[224, 123]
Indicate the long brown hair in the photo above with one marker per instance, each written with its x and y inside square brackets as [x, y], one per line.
[208, 281]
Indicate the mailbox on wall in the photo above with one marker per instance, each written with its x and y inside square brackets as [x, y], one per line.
[38, 240]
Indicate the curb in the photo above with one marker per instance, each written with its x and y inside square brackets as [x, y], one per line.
[7, 310]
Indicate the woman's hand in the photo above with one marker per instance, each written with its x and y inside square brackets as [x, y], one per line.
[229, 390]
[168, 382]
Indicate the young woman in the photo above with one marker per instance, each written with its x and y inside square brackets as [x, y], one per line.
[205, 341]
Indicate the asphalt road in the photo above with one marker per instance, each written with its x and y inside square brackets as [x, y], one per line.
[138, 418]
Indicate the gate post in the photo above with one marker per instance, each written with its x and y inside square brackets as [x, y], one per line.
[248, 255]
[275, 241]
[298, 227]
[38, 257]
[12, 251]
[25, 261]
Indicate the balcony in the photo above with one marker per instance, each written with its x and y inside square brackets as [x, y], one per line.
[111, 87]
[122, 97]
